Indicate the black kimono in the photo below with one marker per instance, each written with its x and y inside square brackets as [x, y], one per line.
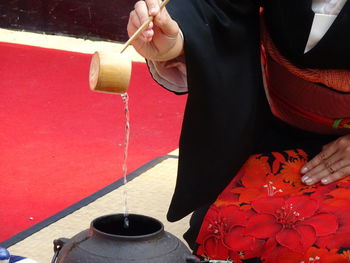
[227, 117]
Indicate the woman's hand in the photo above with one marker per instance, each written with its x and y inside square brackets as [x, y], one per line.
[161, 40]
[330, 165]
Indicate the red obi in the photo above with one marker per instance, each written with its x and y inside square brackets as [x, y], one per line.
[314, 100]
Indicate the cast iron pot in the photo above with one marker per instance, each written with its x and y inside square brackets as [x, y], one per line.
[108, 241]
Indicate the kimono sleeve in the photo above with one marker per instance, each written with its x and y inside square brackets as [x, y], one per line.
[223, 76]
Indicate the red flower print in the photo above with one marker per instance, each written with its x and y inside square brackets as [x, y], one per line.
[256, 186]
[336, 240]
[338, 205]
[291, 172]
[312, 255]
[346, 255]
[272, 250]
[266, 212]
[227, 198]
[294, 223]
[297, 154]
[277, 163]
[278, 254]
[340, 198]
[231, 194]
[320, 192]
[222, 233]
[252, 177]
[278, 175]
[289, 156]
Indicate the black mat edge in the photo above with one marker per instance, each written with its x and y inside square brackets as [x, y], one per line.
[84, 202]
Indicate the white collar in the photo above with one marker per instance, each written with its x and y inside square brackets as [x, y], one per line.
[326, 11]
[328, 7]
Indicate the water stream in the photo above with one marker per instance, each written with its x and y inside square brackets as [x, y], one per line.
[125, 98]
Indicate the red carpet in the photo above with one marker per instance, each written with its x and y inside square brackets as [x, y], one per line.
[60, 142]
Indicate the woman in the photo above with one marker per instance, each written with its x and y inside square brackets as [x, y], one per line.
[268, 181]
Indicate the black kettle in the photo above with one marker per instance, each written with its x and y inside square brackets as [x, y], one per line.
[108, 240]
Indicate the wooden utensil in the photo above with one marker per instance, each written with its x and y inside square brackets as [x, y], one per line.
[111, 72]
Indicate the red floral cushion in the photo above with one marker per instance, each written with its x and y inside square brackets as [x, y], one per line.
[267, 213]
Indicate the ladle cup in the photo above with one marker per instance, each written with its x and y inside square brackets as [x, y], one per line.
[110, 72]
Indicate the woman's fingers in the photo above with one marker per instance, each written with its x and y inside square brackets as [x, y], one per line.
[134, 23]
[166, 24]
[141, 15]
[337, 175]
[143, 10]
[319, 158]
[332, 164]
[161, 40]
[325, 169]
[162, 18]
[153, 7]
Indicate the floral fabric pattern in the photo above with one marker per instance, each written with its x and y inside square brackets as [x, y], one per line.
[267, 213]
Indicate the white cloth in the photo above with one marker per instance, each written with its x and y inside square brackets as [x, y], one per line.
[326, 11]
[172, 74]
[328, 7]
[26, 260]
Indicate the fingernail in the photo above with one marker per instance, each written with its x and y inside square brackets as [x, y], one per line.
[309, 181]
[306, 180]
[304, 170]
[325, 181]
[147, 33]
[153, 10]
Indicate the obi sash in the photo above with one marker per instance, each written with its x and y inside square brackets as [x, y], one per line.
[317, 100]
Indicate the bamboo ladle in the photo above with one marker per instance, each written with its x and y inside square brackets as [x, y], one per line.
[111, 72]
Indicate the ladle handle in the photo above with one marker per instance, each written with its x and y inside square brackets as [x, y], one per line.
[57, 246]
[142, 27]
